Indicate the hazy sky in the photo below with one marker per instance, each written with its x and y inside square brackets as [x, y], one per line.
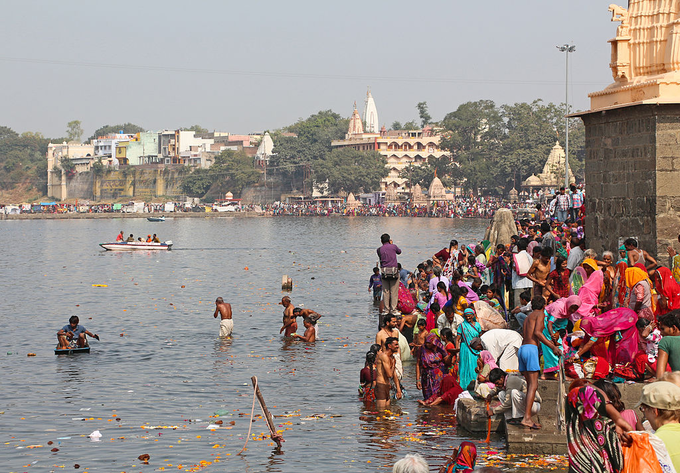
[254, 65]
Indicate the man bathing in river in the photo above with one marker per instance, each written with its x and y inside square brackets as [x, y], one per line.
[390, 330]
[289, 323]
[310, 332]
[73, 335]
[226, 322]
[385, 366]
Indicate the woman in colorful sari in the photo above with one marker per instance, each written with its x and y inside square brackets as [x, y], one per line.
[468, 330]
[640, 287]
[589, 293]
[481, 261]
[667, 289]
[431, 366]
[609, 272]
[618, 327]
[592, 443]
[675, 262]
[621, 293]
[500, 271]
[556, 319]
[463, 459]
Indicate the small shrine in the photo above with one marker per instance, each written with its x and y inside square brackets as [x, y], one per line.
[553, 171]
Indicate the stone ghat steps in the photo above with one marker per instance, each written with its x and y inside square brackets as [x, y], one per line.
[521, 440]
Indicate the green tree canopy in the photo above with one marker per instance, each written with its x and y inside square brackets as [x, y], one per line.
[424, 114]
[196, 128]
[22, 159]
[74, 130]
[232, 171]
[128, 128]
[349, 170]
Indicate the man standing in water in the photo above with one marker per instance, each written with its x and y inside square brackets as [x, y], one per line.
[390, 273]
[289, 322]
[226, 322]
[390, 330]
[529, 364]
[385, 367]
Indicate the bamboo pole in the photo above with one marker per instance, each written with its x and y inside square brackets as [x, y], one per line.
[267, 415]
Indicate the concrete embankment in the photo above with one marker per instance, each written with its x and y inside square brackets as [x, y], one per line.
[168, 215]
[520, 440]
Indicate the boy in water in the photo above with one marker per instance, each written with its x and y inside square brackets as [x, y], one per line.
[375, 282]
[73, 335]
[529, 365]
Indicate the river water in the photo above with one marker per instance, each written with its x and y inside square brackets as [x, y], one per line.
[160, 371]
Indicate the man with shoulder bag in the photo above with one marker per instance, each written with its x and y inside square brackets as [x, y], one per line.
[389, 272]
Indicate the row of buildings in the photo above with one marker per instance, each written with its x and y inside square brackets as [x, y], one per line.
[149, 149]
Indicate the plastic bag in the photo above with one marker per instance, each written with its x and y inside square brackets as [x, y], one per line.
[640, 457]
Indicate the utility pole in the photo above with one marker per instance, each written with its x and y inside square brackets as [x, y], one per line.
[567, 48]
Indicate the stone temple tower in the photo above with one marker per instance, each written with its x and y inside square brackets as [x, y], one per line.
[371, 114]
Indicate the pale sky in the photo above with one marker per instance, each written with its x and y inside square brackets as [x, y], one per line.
[253, 65]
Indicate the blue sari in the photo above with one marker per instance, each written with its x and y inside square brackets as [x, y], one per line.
[468, 356]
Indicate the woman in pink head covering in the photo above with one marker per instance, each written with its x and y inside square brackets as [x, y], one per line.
[590, 296]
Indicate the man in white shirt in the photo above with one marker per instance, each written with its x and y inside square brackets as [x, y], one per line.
[576, 255]
[449, 319]
[503, 345]
[522, 262]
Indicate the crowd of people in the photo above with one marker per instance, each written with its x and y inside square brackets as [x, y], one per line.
[485, 322]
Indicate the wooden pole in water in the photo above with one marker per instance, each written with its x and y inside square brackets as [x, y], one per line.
[267, 415]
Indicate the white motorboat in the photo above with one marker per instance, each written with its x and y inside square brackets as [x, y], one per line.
[136, 245]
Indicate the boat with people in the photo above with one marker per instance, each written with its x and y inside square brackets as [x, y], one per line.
[72, 350]
[156, 219]
[136, 245]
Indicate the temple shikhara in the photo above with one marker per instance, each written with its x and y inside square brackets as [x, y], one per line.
[645, 60]
[401, 148]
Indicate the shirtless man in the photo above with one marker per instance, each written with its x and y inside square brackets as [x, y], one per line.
[385, 366]
[310, 332]
[528, 355]
[289, 323]
[226, 322]
[315, 316]
[390, 330]
[636, 255]
[539, 272]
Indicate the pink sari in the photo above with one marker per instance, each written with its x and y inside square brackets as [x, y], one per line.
[589, 295]
[620, 320]
[405, 303]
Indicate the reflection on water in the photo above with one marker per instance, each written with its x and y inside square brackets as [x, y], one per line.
[155, 381]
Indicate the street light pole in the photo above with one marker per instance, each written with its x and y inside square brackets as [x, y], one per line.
[567, 48]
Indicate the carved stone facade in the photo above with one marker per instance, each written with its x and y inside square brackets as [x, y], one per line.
[645, 59]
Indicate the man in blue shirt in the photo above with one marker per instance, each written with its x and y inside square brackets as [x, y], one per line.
[73, 335]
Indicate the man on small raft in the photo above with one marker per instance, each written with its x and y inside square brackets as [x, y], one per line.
[73, 335]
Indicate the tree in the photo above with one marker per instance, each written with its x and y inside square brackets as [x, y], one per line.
[473, 135]
[22, 160]
[424, 174]
[349, 170]
[425, 117]
[531, 134]
[74, 131]
[293, 155]
[411, 125]
[396, 125]
[129, 128]
[232, 171]
[196, 128]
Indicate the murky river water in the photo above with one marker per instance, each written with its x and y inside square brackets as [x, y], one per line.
[160, 371]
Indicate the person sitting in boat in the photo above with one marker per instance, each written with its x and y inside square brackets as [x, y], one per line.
[120, 236]
[155, 239]
[149, 239]
[139, 239]
[131, 238]
[73, 335]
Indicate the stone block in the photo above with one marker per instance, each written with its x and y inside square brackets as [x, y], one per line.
[667, 183]
[472, 416]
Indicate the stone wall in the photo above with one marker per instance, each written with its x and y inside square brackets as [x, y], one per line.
[133, 182]
[632, 175]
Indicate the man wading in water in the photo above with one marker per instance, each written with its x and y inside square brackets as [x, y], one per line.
[226, 322]
[385, 372]
[289, 324]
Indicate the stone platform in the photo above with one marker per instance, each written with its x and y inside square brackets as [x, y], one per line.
[523, 441]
